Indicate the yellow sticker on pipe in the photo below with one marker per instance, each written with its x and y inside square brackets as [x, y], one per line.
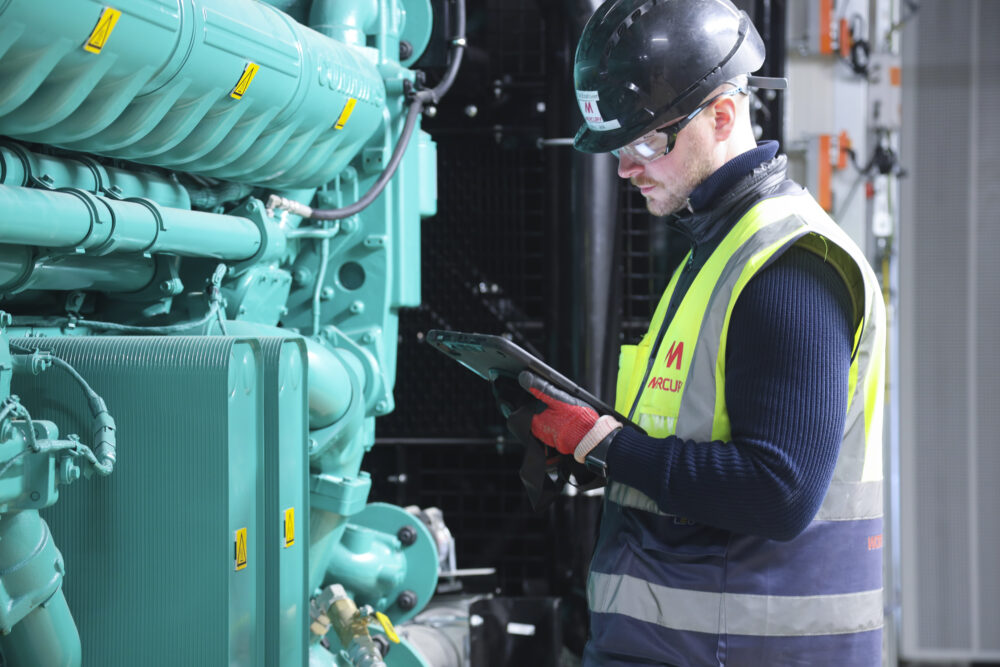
[249, 72]
[99, 36]
[289, 527]
[390, 632]
[241, 548]
[345, 114]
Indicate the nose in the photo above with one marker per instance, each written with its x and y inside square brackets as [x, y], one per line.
[627, 167]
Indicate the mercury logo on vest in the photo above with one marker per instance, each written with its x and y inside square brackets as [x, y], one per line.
[666, 384]
[674, 354]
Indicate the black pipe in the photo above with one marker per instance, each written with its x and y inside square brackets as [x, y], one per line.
[594, 217]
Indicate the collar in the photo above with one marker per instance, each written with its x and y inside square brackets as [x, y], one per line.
[730, 174]
[704, 224]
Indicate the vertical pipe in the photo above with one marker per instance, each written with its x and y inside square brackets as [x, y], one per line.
[46, 636]
[591, 226]
[594, 207]
[41, 628]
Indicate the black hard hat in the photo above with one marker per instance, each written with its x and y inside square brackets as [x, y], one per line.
[641, 63]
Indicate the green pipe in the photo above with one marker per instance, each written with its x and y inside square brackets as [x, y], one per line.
[22, 167]
[329, 381]
[20, 271]
[31, 572]
[325, 531]
[367, 562]
[77, 219]
[47, 636]
[347, 22]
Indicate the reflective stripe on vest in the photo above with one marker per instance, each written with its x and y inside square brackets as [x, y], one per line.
[844, 501]
[761, 615]
[685, 395]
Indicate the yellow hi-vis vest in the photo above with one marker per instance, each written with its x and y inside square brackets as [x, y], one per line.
[745, 599]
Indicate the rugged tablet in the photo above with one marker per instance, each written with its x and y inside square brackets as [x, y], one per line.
[489, 356]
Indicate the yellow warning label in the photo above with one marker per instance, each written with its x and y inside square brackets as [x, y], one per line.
[346, 113]
[249, 72]
[241, 548]
[289, 527]
[99, 37]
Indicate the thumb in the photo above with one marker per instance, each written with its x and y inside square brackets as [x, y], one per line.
[545, 391]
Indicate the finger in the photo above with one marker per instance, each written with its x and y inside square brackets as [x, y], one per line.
[544, 390]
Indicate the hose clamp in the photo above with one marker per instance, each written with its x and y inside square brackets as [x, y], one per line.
[94, 205]
[159, 226]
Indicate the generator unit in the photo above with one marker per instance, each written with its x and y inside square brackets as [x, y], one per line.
[210, 217]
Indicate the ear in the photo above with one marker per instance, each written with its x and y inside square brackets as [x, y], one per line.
[724, 116]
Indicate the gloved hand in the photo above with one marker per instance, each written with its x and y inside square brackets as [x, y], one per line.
[566, 424]
[508, 393]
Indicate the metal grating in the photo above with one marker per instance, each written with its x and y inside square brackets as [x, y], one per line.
[650, 251]
[484, 262]
[484, 506]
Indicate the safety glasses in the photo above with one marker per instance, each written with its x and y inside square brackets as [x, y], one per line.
[659, 142]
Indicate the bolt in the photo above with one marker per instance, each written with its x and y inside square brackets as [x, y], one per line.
[405, 49]
[327, 293]
[407, 535]
[301, 277]
[382, 643]
[357, 307]
[382, 407]
[407, 600]
[283, 311]
[540, 107]
[35, 495]
[172, 286]
[69, 472]
[431, 111]
[471, 111]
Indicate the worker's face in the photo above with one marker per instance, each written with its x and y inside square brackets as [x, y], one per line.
[667, 182]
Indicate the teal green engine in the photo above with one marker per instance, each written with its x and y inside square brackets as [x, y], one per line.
[210, 217]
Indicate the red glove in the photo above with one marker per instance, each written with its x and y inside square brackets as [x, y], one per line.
[566, 423]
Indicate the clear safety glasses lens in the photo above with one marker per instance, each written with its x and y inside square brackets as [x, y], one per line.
[651, 147]
[659, 142]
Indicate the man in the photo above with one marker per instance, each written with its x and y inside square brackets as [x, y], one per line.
[744, 526]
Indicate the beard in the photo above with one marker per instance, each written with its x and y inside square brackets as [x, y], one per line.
[671, 196]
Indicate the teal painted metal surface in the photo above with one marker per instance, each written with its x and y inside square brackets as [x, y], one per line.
[418, 20]
[285, 467]
[411, 574]
[159, 535]
[32, 576]
[160, 90]
[21, 270]
[20, 166]
[247, 419]
[78, 219]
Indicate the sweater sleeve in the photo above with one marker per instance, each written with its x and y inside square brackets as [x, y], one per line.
[787, 363]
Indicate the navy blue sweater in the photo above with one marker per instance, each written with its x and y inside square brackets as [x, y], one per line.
[788, 355]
